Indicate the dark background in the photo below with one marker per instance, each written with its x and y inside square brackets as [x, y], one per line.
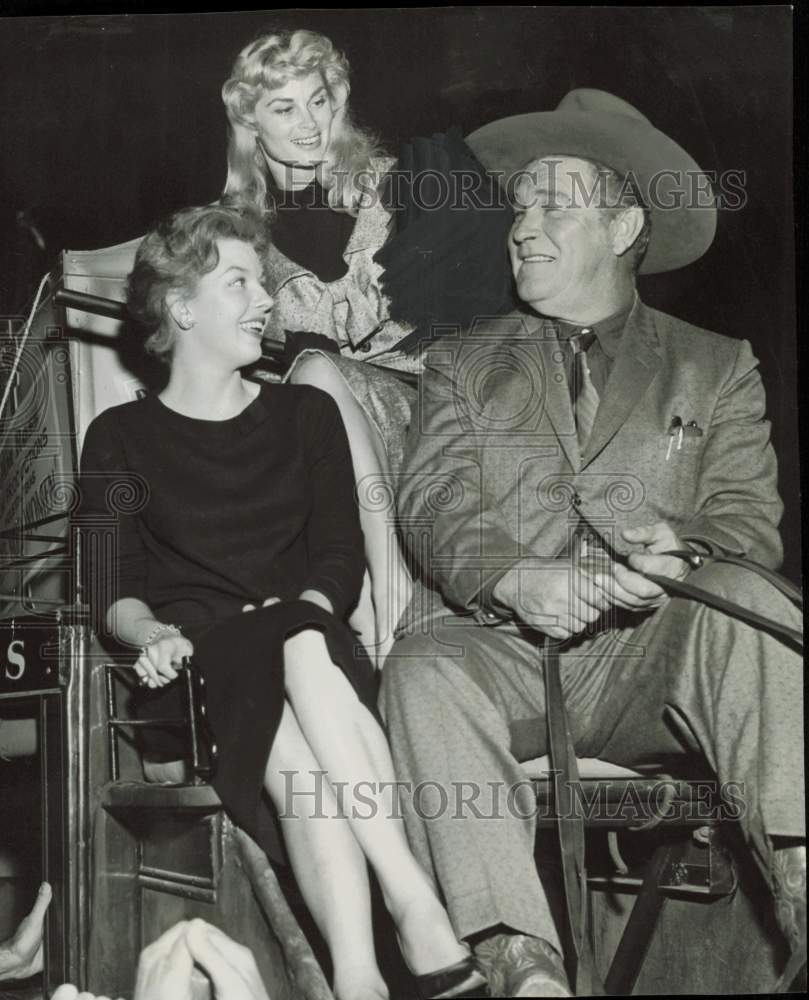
[109, 122]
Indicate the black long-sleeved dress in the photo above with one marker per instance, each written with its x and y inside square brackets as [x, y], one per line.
[210, 515]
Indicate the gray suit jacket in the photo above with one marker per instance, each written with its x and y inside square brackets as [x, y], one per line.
[493, 474]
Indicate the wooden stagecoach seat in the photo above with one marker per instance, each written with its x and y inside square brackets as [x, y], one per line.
[589, 767]
[614, 797]
[175, 772]
[101, 272]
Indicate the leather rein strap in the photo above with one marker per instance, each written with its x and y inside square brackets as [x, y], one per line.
[570, 821]
[570, 827]
[682, 588]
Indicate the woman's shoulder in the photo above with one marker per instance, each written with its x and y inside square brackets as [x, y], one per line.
[121, 416]
[106, 435]
[306, 404]
[296, 396]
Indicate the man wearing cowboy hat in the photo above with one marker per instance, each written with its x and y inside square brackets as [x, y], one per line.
[557, 455]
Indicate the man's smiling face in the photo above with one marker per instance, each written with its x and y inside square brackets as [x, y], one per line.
[560, 247]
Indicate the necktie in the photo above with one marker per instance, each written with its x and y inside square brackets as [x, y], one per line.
[585, 394]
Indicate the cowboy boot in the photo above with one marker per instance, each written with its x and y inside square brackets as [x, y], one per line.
[789, 892]
[517, 965]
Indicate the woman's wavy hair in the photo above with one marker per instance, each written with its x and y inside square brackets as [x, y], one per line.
[270, 62]
[175, 254]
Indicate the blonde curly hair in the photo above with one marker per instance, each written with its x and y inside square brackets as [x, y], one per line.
[270, 62]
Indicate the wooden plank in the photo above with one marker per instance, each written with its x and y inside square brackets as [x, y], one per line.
[130, 912]
[304, 968]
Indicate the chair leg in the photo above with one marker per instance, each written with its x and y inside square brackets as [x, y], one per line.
[636, 938]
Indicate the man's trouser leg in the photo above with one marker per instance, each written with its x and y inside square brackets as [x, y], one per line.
[728, 690]
[686, 679]
[456, 705]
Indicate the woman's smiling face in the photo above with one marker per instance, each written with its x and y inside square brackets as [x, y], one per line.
[294, 124]
[226, 312]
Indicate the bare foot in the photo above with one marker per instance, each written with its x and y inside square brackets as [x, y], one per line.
[21, 955]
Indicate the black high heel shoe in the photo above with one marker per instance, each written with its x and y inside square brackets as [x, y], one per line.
[463, 979]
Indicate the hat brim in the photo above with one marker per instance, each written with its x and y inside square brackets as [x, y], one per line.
[673, 186]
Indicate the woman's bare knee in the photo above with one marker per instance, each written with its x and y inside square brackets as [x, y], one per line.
[312, 679]
[307, 664]
[308, 643]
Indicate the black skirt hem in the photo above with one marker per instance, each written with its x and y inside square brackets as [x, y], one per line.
[241, 659]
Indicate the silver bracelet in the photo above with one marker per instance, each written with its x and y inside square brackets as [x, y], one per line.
[157, 631]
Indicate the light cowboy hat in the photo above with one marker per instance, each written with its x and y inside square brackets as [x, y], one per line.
[595, 125]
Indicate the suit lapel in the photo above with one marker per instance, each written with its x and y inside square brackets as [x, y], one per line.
[634, 368]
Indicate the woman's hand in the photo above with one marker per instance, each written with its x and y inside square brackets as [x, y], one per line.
[157, 663]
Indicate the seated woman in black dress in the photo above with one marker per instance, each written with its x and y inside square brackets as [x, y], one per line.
[229, 495]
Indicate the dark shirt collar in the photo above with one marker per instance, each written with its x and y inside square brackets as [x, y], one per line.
[313, 195]
[608, 330]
